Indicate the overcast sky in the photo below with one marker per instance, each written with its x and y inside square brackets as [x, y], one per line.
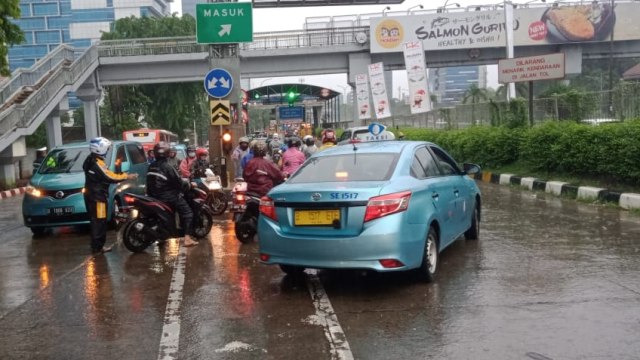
[278, 19]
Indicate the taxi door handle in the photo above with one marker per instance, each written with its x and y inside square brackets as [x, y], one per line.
[435, 195]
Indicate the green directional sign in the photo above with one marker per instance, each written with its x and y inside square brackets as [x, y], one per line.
[219, 23]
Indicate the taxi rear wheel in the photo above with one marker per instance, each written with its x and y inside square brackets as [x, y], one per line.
[474, 230]
[429, 265]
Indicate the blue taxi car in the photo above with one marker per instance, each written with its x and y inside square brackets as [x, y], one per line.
[54, 195]
[383, 206]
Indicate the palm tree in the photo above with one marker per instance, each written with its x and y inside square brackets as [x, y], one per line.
[522, 90]
[474, 94]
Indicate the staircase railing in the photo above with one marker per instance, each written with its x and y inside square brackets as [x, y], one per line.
[31, 76]
[22, 115]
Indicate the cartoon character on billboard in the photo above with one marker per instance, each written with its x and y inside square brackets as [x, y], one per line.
[418, 97]
[364, 109]
[382, 106]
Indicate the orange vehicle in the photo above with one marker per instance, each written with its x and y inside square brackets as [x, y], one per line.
[149, 137]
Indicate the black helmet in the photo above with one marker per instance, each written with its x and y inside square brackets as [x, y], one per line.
[191, 148]
[161, 150]
[294, 141]
[260, 149]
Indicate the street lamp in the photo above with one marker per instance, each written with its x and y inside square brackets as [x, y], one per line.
[442, 8]
[413, 7]
[385, 9]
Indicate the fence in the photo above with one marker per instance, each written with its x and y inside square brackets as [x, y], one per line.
[621, 104]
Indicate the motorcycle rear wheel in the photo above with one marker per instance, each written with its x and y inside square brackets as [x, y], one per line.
[134, 239]
[218, 203]
[246, 229]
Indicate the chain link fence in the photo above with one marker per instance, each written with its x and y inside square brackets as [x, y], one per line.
[621, 104]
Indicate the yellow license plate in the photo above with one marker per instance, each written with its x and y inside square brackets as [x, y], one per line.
[316, 217]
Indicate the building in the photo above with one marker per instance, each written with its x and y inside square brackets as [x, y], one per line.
[189, 7]
[450, 84]
[48, 23]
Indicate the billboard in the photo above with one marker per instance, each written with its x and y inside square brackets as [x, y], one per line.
[417, 76]
[379, 90]
[592, 22]
[362, 96]
[531, 68]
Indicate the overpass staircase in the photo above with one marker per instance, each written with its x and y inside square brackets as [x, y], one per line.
[30, 95]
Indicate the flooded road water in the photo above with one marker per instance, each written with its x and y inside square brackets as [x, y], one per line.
[548, 279]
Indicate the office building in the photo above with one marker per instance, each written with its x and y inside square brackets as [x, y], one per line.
[450, 84]
[48, 23]
[189, 7]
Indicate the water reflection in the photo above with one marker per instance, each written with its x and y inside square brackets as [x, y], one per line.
[44, 276]
[99, 312]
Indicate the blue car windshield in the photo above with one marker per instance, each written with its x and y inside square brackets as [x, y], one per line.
[346, 167]
[64, 161]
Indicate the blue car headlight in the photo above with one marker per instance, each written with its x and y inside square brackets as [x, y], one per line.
[34, 191]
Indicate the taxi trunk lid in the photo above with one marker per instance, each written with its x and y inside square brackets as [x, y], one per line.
[329, 209]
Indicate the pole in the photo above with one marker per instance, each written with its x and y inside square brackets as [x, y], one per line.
[195, 133]
[508, 20]
[530, 103]
[611, 66]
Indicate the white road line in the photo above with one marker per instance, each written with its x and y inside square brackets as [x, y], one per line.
[170, 339]
[340, 349]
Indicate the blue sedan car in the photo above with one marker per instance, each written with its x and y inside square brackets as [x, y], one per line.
[383, 206]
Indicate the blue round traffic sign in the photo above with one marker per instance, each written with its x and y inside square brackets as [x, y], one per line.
[218, 83]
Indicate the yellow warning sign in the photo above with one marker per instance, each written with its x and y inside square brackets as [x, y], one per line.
[220, 112]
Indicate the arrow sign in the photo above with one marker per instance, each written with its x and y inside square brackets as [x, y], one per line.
[218, 83]
[226, 29]
[220, 112]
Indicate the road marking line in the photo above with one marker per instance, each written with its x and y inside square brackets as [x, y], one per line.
[170, 340]
[340, 349]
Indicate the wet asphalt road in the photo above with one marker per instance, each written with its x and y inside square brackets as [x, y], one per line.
[549, 279]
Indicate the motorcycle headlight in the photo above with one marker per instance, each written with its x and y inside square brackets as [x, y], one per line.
[33, 191]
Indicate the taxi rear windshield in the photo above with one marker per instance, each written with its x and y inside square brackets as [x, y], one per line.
[347, 167]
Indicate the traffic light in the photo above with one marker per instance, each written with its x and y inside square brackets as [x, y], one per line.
[291, 97]
[227, 145]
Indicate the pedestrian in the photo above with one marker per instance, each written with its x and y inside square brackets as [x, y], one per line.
[238, 153]
[98, 177]
[172, 159]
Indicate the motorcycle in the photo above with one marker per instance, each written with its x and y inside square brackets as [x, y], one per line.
[245, 209]
[216, 197]
[157, 221]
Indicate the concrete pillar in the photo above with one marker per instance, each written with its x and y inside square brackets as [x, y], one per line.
[91, 119]
[9, 157]
[54, 131]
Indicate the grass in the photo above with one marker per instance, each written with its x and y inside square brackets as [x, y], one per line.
[601, 182]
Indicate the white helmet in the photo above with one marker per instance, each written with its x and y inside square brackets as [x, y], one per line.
[275, 136]
[99, 146]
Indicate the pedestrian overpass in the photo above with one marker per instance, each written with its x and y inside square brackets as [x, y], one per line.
[38, 94]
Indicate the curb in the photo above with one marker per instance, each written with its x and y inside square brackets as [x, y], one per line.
[12, 192]
[627, 201]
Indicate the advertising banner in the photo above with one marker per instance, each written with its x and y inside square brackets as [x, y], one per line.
[532, 68]
[417, 76]
[558, 24]
[379, 91]
[362, 96]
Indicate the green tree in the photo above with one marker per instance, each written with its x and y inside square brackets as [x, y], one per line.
[10, 33]
[169, 106]
[474, 94]
[522, 90]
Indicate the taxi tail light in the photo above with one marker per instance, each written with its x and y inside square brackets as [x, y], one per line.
[390, 263]
[129, 199]
[240, 198]
[264, 257]
[267, 208]
[384, 205]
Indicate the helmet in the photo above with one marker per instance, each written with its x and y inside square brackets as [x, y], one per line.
[328, 136]
[201, 152]
[309, 140]
[173, 149]
[161, 150]
[275, 136]
[99, 146]
[243, 139]
[191, 150]
[260, 149]
[294, 141]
